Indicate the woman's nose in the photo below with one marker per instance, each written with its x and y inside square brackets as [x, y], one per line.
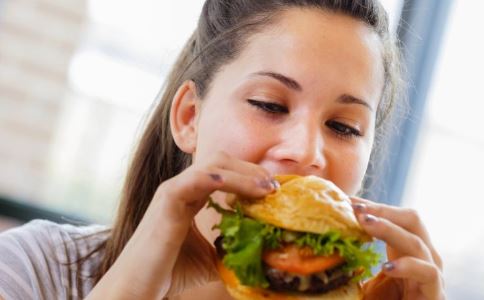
[301, 149]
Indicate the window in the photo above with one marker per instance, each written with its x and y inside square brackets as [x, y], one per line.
[446, 178]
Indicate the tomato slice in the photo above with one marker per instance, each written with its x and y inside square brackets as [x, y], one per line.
[302, 261]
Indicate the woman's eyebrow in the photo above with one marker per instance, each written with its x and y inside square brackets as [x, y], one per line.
[287, 81]
[348, 99]
[294, 85]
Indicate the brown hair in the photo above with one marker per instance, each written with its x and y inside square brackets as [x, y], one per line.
[223, 29]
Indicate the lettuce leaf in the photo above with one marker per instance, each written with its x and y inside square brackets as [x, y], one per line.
[360, 258]
[244, 239]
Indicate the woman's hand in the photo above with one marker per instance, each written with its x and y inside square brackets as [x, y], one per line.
[414, 268]
[167, 254]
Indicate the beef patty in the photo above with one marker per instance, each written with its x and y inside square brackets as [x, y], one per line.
[316, 283]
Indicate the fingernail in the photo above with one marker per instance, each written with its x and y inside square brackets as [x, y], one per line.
[216, 177]
[275, 184]
[266, 184]
[359, 207]
[369, 219]
[388, 266]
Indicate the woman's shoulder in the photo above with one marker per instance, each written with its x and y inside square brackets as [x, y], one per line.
[53, 238]
[39, 258]
[44, 226]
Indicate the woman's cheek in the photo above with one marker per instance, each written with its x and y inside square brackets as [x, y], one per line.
[250, 140]
[240, 135]
[347, 168]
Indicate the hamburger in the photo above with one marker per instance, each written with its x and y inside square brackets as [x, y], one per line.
[300, 242]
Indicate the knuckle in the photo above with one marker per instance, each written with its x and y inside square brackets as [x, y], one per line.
[193, 179]
[199, 173]
[198, 186]
[413, 216]
[197, 181]
[438, 260]
[433, 273]
[381, 228]
[204, 170]
[418, 245]
[377, 209]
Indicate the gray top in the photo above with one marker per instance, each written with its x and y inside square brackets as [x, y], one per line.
[34, 260]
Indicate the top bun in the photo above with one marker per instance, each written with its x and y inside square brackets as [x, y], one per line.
[306, 204]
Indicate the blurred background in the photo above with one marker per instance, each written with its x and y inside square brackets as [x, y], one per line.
[77, 78]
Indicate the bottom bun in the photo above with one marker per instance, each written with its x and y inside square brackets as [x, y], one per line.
[350, 291]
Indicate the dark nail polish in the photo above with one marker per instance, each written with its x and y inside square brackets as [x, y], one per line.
[388, 266]
[275, 184]
[370, 219]
[359, 207]
[216, 177]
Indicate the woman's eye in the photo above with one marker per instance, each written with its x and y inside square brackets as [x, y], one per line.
[269, 107]
[343, 129]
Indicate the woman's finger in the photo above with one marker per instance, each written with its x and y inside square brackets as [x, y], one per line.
[193, 187]
[243, 184]
[224, 161]
[403, 217]
[395, 236]
[426, 274]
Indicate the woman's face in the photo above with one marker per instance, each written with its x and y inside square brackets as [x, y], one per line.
[300, 99]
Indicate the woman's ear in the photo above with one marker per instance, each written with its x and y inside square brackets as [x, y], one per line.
[184, 115]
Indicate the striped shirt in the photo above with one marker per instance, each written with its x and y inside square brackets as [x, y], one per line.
[36, 260]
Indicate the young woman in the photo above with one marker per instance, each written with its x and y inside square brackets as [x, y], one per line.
[261, 88]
